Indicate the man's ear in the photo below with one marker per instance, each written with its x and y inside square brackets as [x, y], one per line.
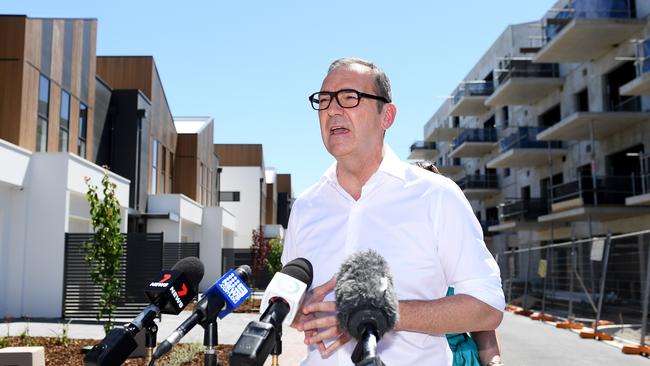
[389, 112]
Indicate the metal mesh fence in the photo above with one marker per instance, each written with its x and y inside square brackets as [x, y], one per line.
[601, 282]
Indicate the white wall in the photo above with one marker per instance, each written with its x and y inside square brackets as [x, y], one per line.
[245, 180]
[36, 210]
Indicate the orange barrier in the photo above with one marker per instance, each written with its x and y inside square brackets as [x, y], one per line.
[637, 350]
[541, 316]
[524, 312]
[590, 334]
[568, 325]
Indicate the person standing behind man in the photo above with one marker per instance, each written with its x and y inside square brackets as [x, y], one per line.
[420, 222]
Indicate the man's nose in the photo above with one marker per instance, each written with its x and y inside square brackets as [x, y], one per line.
[334, 108]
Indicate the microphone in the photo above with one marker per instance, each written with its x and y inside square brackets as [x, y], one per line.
[169, 292]
[366, 303]
[229, 291]
[280, 303]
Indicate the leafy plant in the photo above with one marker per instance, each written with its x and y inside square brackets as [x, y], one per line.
[104, 252]
[259, 251]
[273, 260]
[63, 338]
[4, 342]
[25, 333]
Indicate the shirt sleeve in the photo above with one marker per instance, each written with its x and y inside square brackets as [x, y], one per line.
[466, 261]
[289, 248]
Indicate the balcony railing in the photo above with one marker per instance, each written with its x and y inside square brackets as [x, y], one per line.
[485, 224]
[510, 68]
[608, 189]
[476, 135]
[525, 138]
[625, 104]
[423, 145]
[588, 9]
[474, 88]
[479, 181]
[523, 210]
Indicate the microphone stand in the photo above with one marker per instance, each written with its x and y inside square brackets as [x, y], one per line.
[277, 347]
[210, 341]
[151, 333]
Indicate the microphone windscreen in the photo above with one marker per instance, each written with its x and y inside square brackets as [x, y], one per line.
[244, 272]
[300, 269]
[192, 268]
[365, 294]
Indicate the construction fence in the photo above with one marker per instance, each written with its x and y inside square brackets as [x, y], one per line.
[601, 282]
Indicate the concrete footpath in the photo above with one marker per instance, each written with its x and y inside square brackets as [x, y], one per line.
[230, 328]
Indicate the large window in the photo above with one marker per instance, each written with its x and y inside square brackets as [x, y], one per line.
[43, 113]
[154, 166]
[163, 165]
[83, 125]
[64, 129]
[226, 196]
[171, 170]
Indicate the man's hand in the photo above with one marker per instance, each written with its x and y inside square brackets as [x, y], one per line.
[310, 322]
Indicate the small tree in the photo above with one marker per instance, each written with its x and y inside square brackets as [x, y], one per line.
[273, 260]
[103, 254]
[259, 251]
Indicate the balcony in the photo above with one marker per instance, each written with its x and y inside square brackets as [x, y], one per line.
[478, 186]
[450, 168]
[641, 84]
[474, 142]
[579, 200]
[587, 29]
[521, 149]
[643, 195]
[520, 214]
[522, 82]
[469, 98]
[580, 125]
[423, 150]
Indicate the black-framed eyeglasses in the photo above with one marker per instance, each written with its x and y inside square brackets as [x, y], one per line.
[347, 98]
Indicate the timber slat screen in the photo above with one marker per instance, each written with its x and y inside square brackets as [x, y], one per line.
[145, 255]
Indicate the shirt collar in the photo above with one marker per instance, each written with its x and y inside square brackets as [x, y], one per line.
[390, 164]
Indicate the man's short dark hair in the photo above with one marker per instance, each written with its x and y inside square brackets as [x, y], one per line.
[382, 83]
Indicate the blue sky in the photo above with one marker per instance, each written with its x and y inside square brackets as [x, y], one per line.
[252, 64]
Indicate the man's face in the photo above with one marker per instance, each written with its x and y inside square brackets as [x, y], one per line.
[351, 132]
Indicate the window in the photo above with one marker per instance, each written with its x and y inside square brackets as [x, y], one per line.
[64, 127]
[83, 124]
[154, 166]
[171, 169]
[163, 163]
[229, 196]
[43, 113]
[582, 101]
[506, 172]
[506, 116]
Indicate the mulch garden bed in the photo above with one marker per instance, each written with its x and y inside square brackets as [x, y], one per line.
[60, 352]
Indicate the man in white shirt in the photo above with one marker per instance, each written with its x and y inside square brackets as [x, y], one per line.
[420, 222]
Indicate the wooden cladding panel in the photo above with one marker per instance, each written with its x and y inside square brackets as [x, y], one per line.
[74, 125]
[127, 72]
[186, 176]
[29, 108]
[58, 31]
[12, 37]
[284, 183]
[54, 118]
[11, 91]
[33, 42]
[187, 146]
[240, 154]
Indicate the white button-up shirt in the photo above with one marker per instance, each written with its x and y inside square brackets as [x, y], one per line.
[421, 223]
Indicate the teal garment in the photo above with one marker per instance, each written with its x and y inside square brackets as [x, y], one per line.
[462, 346]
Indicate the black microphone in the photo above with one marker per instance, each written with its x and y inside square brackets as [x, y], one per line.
[280, 304]
[229, 291]
[169, 293]
[366, 303]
